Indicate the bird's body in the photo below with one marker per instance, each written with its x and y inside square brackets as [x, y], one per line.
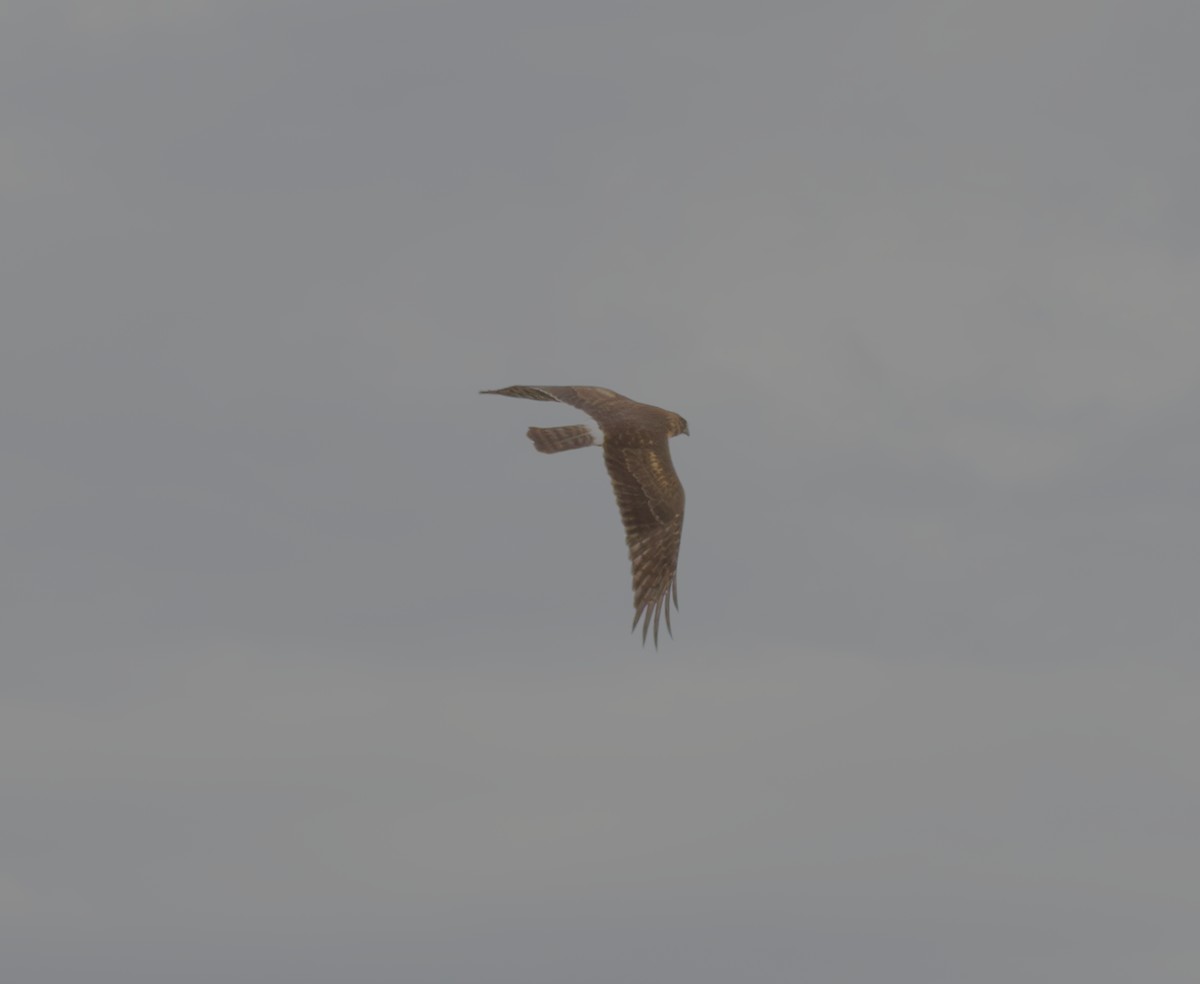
[634, 437]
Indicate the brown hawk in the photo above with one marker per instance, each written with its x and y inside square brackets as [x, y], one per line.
[648, 490]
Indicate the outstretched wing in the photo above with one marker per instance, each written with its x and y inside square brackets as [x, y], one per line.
[597, 402]
[650, 498]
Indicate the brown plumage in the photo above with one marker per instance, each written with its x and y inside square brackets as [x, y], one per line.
[648, 491]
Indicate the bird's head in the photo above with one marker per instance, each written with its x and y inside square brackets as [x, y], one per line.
[677, 425]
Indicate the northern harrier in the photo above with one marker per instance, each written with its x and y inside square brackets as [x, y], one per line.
[647, 488]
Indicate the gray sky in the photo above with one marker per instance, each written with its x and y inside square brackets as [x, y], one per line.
[313, 670]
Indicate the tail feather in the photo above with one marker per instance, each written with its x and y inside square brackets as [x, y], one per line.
[548, 440]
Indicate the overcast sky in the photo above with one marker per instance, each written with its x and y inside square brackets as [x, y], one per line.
[313, 670]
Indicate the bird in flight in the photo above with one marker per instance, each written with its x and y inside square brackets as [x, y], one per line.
[634, 437]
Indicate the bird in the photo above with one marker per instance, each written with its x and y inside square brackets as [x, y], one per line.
[649, 494]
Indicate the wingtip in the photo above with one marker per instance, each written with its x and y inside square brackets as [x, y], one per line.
[643, 615]
[645, 626]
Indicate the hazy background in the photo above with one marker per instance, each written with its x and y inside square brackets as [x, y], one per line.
[314, 670]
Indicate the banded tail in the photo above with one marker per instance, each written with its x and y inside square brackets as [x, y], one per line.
[548, 440]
